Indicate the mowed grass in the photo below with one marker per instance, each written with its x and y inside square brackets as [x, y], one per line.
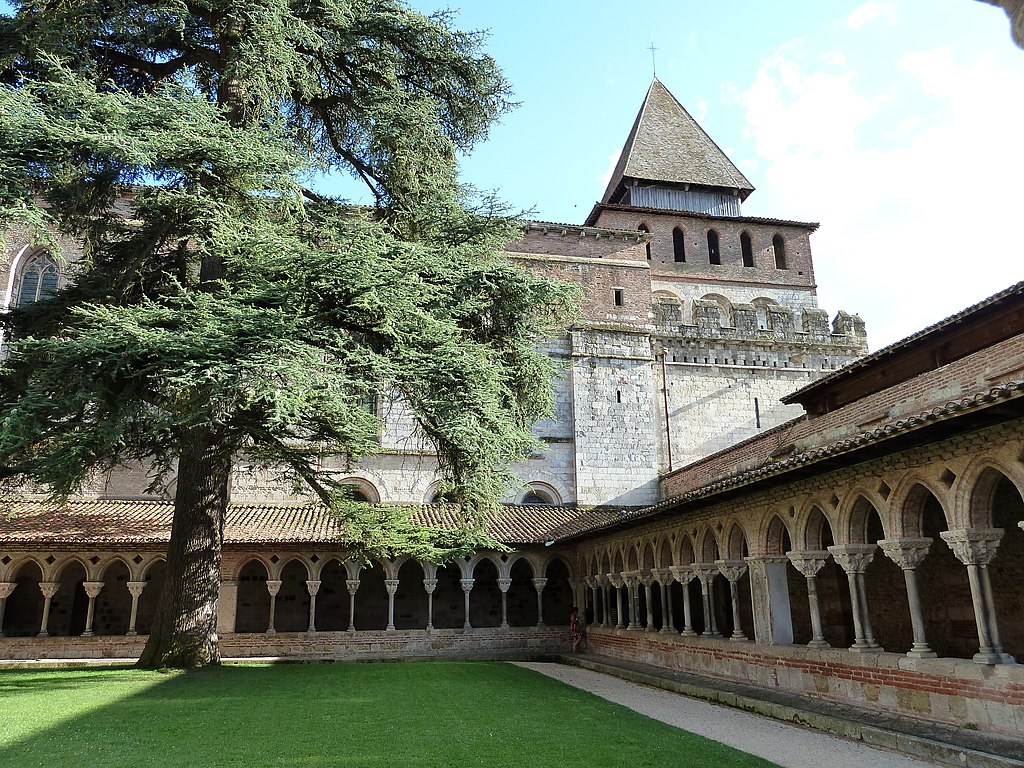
[402, 714]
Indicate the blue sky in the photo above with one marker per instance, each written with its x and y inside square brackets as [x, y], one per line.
[896, 124]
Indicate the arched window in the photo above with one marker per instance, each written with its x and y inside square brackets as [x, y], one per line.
[540, 493]
[534, 497]
[678, 244]
[643, 228]
[779, 245]
[748, 250]
[714, 255]
[39, 278]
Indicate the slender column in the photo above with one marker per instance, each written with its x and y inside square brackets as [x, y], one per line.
[592, 586]
[683, 574]
[606, 600]
[664, 577]
[429, 585]
[908, 554]
[391, 585]
[616, 581]
[809, 562]
[854, 559]
[630, 579]
[705, 573]
[273, 587]
[975, 548]
[579, 596]
[6, 587]
[92, 591]
[733, 571]
[352, 585]
[503, 586]
[539, 584]
[312, 586]
[135, 590]
[467, 587]
[648, 582]
[49, 589]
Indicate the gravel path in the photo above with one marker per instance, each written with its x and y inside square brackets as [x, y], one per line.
[787, 745]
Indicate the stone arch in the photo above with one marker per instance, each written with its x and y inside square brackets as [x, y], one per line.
[617, 562]
[858, 510]
[485, 597]
[557, 596]
[678, 244]
[779, 248]
[977, 485]
[816, 531]
[664, 550]
[725, 314]
[522, 595]
[736, 543]
[633, 556]
[36, 277]
[153, 574]
[776, 539]
[70, 604]
[371, 610]
[648, 558]
[515, 558]
[761, 306]
[537, 492]
[1007, 505]
[687, 552]
[15, 269]
[448, 597]
[668, 307]
[114, 603]
[146, 568]
[236, 574]
[291, 611]
[908, 503]
[24, 608]
[361, 489]
[69, 561]
[410, 598]
[332, 599]
[746, 249]
[252, 602]
[709, 549]
[714, 247]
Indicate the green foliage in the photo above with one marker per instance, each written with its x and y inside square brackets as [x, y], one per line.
[413, 715]
[170, 140]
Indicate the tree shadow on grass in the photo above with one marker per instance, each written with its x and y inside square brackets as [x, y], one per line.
[408, 714]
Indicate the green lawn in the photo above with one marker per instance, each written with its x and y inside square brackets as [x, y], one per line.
[403, 714]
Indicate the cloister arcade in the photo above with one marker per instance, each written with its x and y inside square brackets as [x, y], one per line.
[927, 562]
[270, 592]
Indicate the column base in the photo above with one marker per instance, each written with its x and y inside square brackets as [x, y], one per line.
[666, 631]
[987, 657]
[716, 634]
[739, 638]
[88, 633]
[921, 651]
[865, 648]
[311, 630]
[504, 625]
[44, 633]
[688, 633]
[819, 644]
[1008, 659]
[429, 627]
[390, 628]
[650, 628]
[129, 633]
[466, 626]
[271, 631]
[351, 629]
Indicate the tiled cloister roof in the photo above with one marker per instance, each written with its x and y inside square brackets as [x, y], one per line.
[113, 522]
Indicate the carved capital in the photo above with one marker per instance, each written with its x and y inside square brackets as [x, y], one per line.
[973, 546]
[467, 584]
[661, 575]
[352, 585]
[6, 587]
[681, 573]
[615, 579]
[313, 586]
[704, 571]
[539, 584]
[906, 553]
[429, 585]
[273, 586]
[592, 581]
[504, 584]
[733, 570]
[391, 585]
[853, 558]
[631, 578]
[808, 561]
[135, 587]
[93, 588]
[49, 588]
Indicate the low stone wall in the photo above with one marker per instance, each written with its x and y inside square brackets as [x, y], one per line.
[342, 646]
[957, 691]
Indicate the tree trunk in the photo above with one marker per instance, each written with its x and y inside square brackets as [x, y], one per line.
[184, 631]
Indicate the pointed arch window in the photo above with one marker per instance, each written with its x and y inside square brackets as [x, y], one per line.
[779, 246]
[678, 244]
[40, 276]
[714, 255]
[647, 245]
[747, 248]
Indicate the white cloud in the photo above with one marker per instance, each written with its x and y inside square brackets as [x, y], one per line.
[869, 13]
[605, 177]
[917, 210]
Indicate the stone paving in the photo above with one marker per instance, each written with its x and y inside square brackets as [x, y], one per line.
[789, 746]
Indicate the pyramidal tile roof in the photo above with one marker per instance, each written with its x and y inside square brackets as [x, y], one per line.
[667, 145]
